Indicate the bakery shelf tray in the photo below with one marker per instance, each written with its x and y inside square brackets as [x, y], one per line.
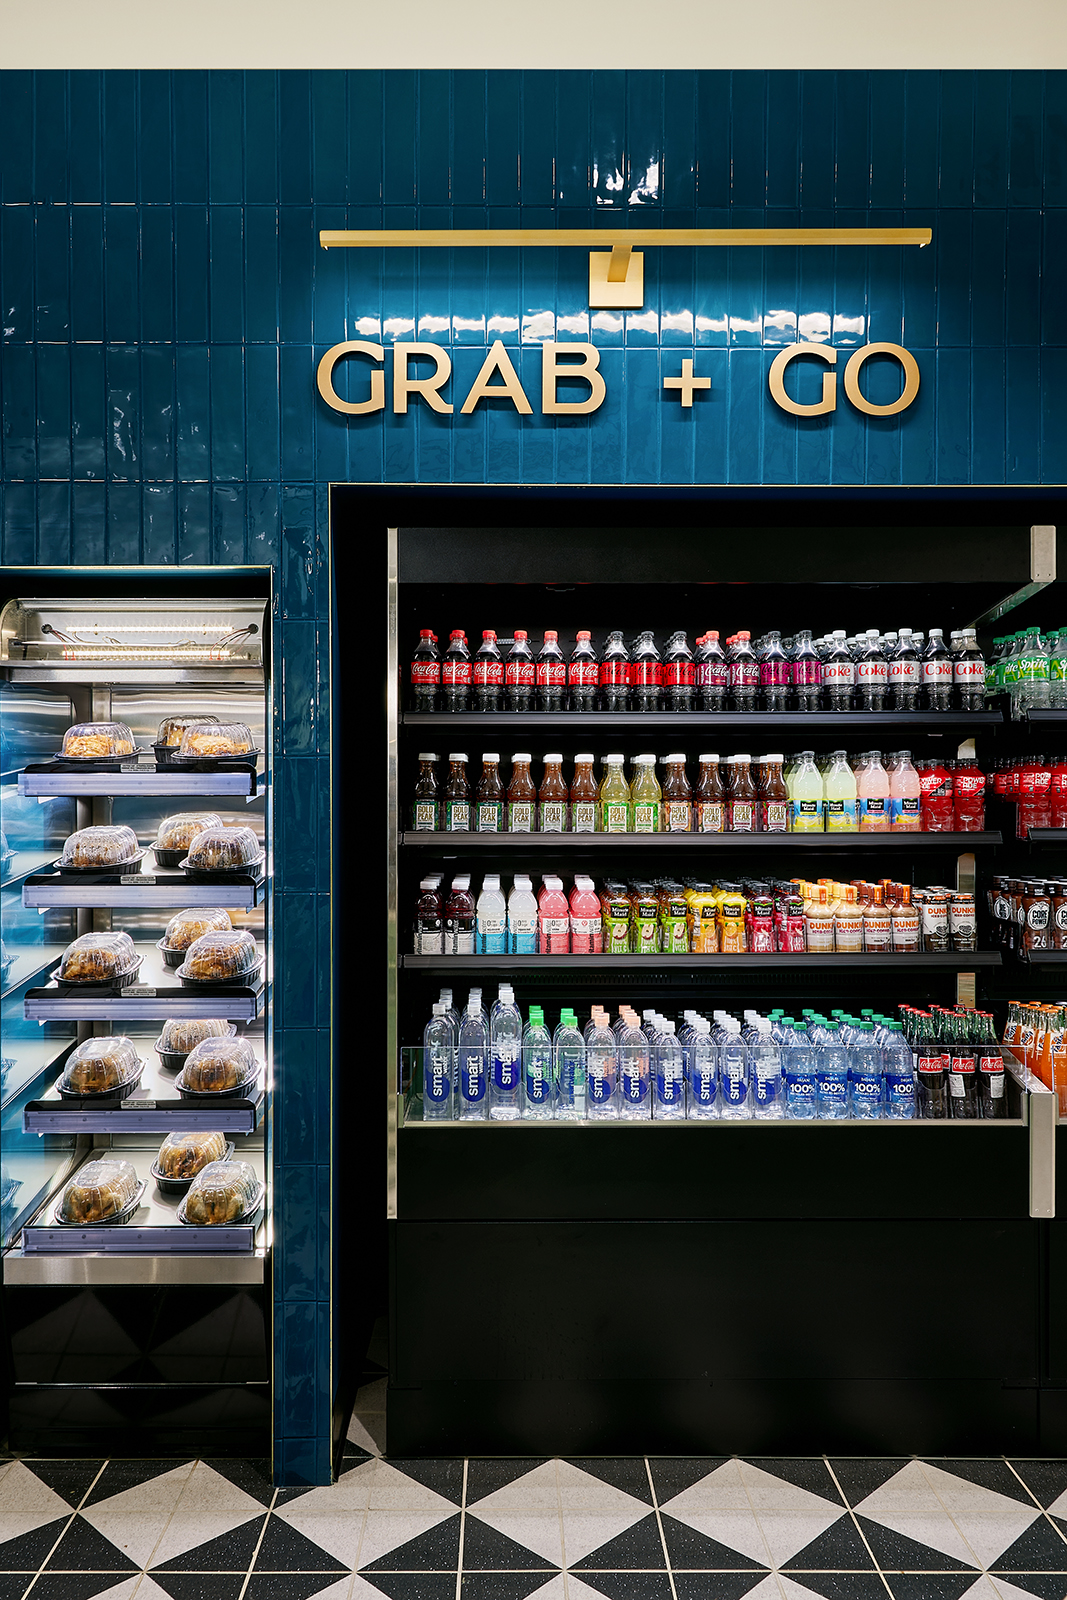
[156, 996]
[756, 721]
[953, 961]
[694, 841]
[154, 1107]
[235, 891]
[134, 779]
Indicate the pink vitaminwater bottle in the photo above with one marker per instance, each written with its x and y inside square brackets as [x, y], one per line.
[905, 816]
[587, 933]
[553, 919]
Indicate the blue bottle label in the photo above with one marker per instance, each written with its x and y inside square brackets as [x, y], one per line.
[505, 1070]
[833, 1086]
[472, 1082]
[900, 1090]
[765, 1087]
[801, 1088]
[537, 1082]
[668, 1086]
[634, 1087]
[867, 1088]
[734, 1087]
[436, 1079]
[702, 1085]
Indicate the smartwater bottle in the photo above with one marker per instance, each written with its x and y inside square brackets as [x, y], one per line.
[668, 1103]
[601, 1073]
[538, 1076]
[635, 1097]
[473, 1063]
[569, 1047]
[765, 1074]
[505, 1058]
[733, 1074]
[437, 1062]
[702, 1071]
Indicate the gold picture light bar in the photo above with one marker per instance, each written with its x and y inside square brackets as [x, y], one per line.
[616, 267]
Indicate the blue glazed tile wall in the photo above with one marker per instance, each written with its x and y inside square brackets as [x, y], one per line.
[164, 301]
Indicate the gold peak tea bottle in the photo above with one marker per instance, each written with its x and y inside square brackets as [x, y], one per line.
[646, 796]
[676, 810]
[614, 798]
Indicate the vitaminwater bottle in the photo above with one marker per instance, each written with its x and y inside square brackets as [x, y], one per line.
[459, 924]
[615, 674]
[587, 934]
[905, 815]
[492, 918]
[487, 674]
[583, 674]
[841, 795]
[522, 917]
[614, 800]
[425, 673]
[519, 674]
[808, 793]
[646, 795]
[456, 673]
[646, 674]
[550, 673]
[428, 931]
[712, 673]
[583, 796]
[554, 919]
[679, 674]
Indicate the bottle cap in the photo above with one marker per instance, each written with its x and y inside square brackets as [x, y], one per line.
[463, 881]
[522, 755]
[457, 633]
[584, 755]
[457, 755]
[520, 633]
[644, 761]
[712, 633]
[429, 883]
[613, 759]
[709, 757]
[678, 755]
[550, 633]
[585, 634]
[427, 755]
[491, 881]
[425, 633]
[490, 755]
[557, 758]
[487, 633]
[439, 1008]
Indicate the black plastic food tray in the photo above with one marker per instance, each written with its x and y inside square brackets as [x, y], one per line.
[248, 979]
[245, 1218]
[97, 985]
[105, 1222]
[240, 1091]
[247, 869]
[174, 1060]
[182, 1186]
[112, 869]
[61, 763]
[122, 1093]
[233, 763]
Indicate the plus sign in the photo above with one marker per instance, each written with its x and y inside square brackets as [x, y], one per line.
[687, 383]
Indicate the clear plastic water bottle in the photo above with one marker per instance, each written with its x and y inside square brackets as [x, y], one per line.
[702, 1072]
[522, 917]
[899, 1073]
[801, 1084]
[765, 1074]
[474, 1062]
[1057, 671]
[734, 1103]
[668, 1080]
[865, 1074]
[451, 1013]
[491, 918]
[1031, 685]
[601, 1071]
[569, 1048]
[538, 1074]
[505, 1058]
[831, 1072]
[437, 1065]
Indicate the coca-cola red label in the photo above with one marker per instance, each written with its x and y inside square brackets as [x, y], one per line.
[519, 673]
[991, 1064]
[456, 674]
[423, 672]
[551, 674]
[488, 674]
[837, 673]
[647, 674]
[679, 672]
[969, 670]
[963, 1063]
[615, 674]
[931, 1064]
[904, 672]
[937, 671]
[583, 674]
[872, 672]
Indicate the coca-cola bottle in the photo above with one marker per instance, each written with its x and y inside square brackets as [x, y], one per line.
[807, 672]
[550, 673]
[839, 673]
[425, 676]
[904, 674]
[743, 672]
[937, 673]
[712, 673]
[615, 673]
[646, 674]
[519, 674]
[456, 673]
[775, 673]
[583, 674]
[872, 674]
[488, 674]
[969, 673]
[679, 674]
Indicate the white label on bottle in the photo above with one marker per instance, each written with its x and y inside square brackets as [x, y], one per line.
[679, 816]
[552, 816]
[838, 673]
[970, 669]
[904, 672]
[520, 816]
[937, 672]
[644, 818]
[429, 942]
[583, 816]
[462, 942]
[583, 935]
[425, 816]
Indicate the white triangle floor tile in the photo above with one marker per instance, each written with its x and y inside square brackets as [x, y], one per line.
[362, 1590]
[935, 1528]
[342, 1589]
[339, 1533]
[385, 1530]
[991, 1534]
[208, 1507]
[539, 1531]
[737, 1530]
[135, 1519]
[772, 1587]
[27, 1503]
[907, 1490]
[147, 1589]
[959, 1494]
[765, 1491]
[565, 1586]
[536, 1490]
[358, 1435]
[126, 1589]
[1058, 1508]
[373, 1485]
[788, 1532]
[721, 1490]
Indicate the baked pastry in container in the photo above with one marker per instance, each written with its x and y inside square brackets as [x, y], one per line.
[99, 958]
[97, 741]
[108, 1065]
[224, 849]
[171, 729]
[226, 1191]
[180, 1035]
[182, 1155]
[206, 740]
[185, 927]
[176, 834]
[221, 958]
[100, 1191]
[113, 845]
[218, 1066]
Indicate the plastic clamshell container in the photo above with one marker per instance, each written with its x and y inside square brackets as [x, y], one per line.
[216, 741]
[100, 848]
[225, 1191]
[185, 927]
[223, 849]
[218, 1067]
[105, 1190]
[99, 958]
[180, 1035]
[232, 957]
[171, 730]
[182, 1155]
[97, 741]
[104, 1066]
[177, 833]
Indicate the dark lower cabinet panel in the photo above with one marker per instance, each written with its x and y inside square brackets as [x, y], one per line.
[857, 1335]
[140, 1420]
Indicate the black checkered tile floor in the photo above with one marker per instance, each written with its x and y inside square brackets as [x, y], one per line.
[706, 1528]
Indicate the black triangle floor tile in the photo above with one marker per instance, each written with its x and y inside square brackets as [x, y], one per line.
[1038, 1549]
[1047, 1479]
[804, 1472]
[71, 1479]
[352, 1452]
[501, 1585]
[689, 1549]
[75, 1585]
[673, 1474]
[486, 1549]
[434, 1551]
[200, 1585]
[254, 1477]
[1047, 1585]
[895, 1552]
[444, 1475]
[285, 1550]
[487, 1476]
[929, 1585]
[30, 1549]
[992, 1474]
[287, 1585]
[82, 1549]
[120, 1475]
[638, 1547]
[414, 1585]
[839, 1549]
[842, 1585]
[715, 1585]
[14, 1584]
[630, 1585]
[229, 1552]
[860, 1476]
[627, 1473]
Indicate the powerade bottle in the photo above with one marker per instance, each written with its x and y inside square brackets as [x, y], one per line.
[712, 673]
[538, 1077]
[488, 674]
[615, 673]
[679, 674]
[898, 1069]
[569, 1047]
[519, 674]
[583, 674]
[425, 673]
[550, 674]
[456, 673]
[646, 674]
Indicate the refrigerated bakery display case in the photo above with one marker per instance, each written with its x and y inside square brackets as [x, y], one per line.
[135, 917]
[603, 883]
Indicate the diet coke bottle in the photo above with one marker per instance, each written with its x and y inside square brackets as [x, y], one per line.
[937, 673]
[839, 673]
[968, 673]
[872, 674]
[905, 674]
